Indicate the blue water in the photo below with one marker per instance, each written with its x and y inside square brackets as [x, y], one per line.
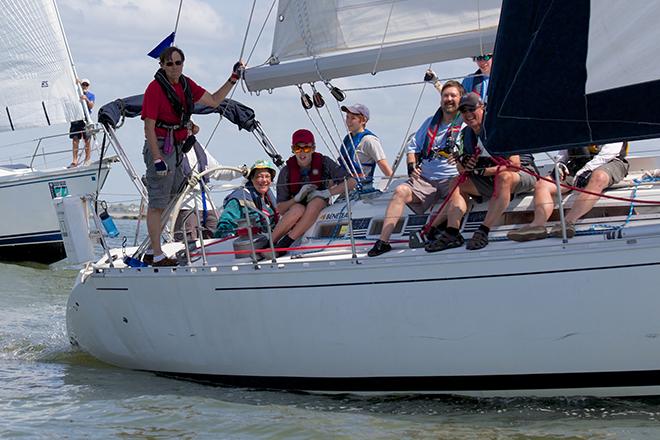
[49, 390]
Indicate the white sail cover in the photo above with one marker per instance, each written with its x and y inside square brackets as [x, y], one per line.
[336, 38]
[38, 84]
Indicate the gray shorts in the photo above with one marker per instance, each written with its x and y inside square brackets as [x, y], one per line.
[161, 189]
[616, 170]
[486, 184]
[427, 193]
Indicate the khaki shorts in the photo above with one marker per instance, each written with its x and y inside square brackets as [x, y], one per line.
[427, 193]
[486, 184]
[161, 189]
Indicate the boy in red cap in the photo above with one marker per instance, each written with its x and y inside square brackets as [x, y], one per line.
[304, 188]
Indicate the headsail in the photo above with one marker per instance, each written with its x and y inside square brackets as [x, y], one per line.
[322, 40]
[571, 73]
[38, 83]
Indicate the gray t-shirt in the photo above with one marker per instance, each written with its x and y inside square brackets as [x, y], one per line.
[332, 173]
[369, 151]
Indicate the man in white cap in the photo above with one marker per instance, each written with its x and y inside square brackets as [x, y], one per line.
[361, 150]
[77, 129]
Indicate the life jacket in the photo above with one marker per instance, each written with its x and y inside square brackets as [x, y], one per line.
[579, 156]
[247, 196]
[451, 135]
[184, 110]
[351, 142]
[295, 180]
[476, 83]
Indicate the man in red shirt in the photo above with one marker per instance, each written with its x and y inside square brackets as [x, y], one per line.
[166, 109]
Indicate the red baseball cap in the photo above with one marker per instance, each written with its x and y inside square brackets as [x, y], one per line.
[302, 136]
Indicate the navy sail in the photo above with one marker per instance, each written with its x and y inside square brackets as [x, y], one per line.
[573, 73]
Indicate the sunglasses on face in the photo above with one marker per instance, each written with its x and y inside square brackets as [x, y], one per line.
[482, 58]
[172, 63]
[302, 148]
[85, 84]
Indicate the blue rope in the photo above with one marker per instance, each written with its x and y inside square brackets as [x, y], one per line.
[600, 228]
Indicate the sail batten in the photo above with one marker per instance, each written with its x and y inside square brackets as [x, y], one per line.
[317, 40]
[36, 73]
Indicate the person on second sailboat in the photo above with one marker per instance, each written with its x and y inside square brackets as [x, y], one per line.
[168, 103]
[361, 147]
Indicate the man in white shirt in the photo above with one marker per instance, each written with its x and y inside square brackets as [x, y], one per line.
[593, 168]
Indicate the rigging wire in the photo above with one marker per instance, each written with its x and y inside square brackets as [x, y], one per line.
[233, 90]
[382, 42]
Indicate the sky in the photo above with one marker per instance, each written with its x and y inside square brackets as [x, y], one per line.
[109, 40]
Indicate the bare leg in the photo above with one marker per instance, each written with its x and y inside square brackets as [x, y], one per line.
[543, 202]
[76, 143]
[312, 211]
[288, 221]
[597, 183]
[402, 194]
[504, 182]
[88, 150]
[153, 228]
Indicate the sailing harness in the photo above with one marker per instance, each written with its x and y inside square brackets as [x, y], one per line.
[449, 140]
[295, 175]
[348, 153]
[183, 110]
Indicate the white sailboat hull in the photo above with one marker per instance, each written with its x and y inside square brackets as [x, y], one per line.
[29, 229]
[547, 319]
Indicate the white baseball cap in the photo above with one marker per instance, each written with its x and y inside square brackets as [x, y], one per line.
[85, 80]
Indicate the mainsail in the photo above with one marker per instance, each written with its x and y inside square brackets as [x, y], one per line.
[322, 40]
[38, 83]
[573, 72]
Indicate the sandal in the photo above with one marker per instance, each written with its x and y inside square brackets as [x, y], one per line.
[445, 241]
[479, 240]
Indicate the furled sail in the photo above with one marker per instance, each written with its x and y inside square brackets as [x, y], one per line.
[573, 72]
[321, 40]
[38, 83]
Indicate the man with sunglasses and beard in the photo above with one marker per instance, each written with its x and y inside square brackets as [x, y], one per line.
[479, 80]
[304, 188]
[168, 103]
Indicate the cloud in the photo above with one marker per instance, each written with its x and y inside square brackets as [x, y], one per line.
[126, 19]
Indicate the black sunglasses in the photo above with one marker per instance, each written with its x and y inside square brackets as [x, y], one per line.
[482, 58]
[171, 63]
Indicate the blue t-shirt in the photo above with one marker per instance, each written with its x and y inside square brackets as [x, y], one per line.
[437, 168]
[91, 97]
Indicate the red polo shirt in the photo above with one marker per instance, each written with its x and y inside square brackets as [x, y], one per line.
[156, 106]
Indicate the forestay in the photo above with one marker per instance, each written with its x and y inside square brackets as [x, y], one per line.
[571, 73]
[322, 40]
[38, 83]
